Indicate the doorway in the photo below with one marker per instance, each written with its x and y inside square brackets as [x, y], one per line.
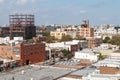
[27, 62]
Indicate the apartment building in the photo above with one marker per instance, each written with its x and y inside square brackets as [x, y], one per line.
[80, 31]
[107, 30]
[93, 42]
[58, 33]
[83, 30]
[73, 32]
[86, 32]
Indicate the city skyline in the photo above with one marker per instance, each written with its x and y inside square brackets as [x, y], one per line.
[63, 11]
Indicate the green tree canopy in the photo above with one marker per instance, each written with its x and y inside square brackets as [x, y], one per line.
[80, 38]
[106, 40]
[66, 53]
[66, 38]
[50, 39]
[45, 33]
[115, 40]
[100, 56]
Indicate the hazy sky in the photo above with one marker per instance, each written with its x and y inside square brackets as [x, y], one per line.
[63, 11]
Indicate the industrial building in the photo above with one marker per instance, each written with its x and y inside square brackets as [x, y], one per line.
[22, 25]
[107, 69]
[22, 52]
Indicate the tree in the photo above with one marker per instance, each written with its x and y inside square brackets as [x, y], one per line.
[80, 38]
[115, 40]
[1, 35]
[30, 41]
[66, 38]
[106, 40]
[66, 53]
[45, 33]
[100, 56]
[50, 39]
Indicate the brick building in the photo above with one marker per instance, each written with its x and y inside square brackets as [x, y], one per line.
[32, 53]
[93, 42]
[80, 31]
[84, 30]
[74, 48]
[109, 70]
[24, 53]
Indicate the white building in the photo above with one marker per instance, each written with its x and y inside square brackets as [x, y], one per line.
[108, 29]
[6, 40]
[86, 54]
[105, 46]
[61, 45]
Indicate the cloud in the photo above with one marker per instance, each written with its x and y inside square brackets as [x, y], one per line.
[104, 19]
[83, 11]
[99, 4]
[22, 2]
[1, 1]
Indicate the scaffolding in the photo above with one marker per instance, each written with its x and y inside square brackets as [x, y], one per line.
[22, 25]
[21, 20]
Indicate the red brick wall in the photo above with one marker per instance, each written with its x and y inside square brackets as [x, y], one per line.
[91, 32]
[6, 51]
[34, 53]
[93, 42]
[74, 48]
[108, 70]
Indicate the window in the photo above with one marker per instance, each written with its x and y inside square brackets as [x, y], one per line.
[16, 50]
[8, 49]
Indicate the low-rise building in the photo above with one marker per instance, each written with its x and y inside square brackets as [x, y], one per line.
[81, 43]
[23, 52]
[104, 46]
[107, 69]
[86, 54]
[71, 46]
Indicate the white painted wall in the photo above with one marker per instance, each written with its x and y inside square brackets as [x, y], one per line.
[83, 55]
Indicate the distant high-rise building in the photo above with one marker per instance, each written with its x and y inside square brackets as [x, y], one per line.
[22, 25]
[85, 24]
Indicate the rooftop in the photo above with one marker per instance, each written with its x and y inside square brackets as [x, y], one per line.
[84, 72]
[35, 72]
[110, 61]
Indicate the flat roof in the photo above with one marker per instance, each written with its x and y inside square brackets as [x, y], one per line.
[84, 72]
[110, 61]
[106, 75]
[36, 73]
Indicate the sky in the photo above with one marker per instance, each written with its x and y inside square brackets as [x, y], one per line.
[63, 11]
